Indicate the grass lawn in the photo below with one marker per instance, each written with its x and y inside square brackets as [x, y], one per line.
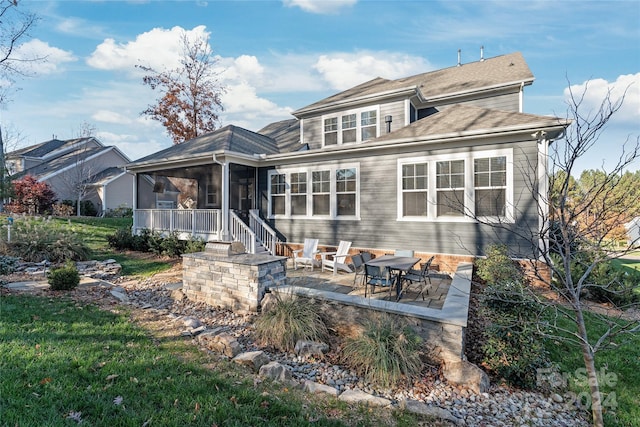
[620, 382]
[63, 362]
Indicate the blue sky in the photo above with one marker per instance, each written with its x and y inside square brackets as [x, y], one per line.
[278, 56]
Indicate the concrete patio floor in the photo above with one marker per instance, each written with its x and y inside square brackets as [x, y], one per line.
[342, 283]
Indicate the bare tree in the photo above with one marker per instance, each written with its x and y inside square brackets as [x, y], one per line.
[191, 100]
[578, 221]
[77, 179]
[14, 29]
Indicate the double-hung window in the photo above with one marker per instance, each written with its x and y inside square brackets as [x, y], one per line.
[415, 189]
[321, 193]
[349, 131]
[331, 131]
[346, 192]
[299, 193]
[369, 124]
[450, 187]
[315, 192]
[211, 195]
[277, 191]
[490, 185]
[350, 126]
[457, 187]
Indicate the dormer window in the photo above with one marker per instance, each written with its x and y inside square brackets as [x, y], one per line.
[369, 124]
[350, 126]
[331, 131]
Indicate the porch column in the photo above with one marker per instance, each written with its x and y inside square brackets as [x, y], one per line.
[226, 234]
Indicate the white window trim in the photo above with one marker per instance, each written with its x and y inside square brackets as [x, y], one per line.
[208, 186]
[469, 188]
[332, 198]
[358, 127]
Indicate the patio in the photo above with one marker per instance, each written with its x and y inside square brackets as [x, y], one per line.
[342, 283]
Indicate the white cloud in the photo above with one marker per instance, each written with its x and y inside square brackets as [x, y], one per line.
[38, 57]
[244, 107]
[320, 6]
[345, 70]
[159, 49]
[596, 90]
[107, 116]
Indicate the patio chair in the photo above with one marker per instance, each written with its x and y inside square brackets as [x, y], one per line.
[377, 276]
[357, 263]
[337, 260]
[404, 252]
[419, 276]
[307, 255]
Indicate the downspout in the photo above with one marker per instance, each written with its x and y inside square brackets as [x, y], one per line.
[225, 233]
[521, 98]
[543, 188]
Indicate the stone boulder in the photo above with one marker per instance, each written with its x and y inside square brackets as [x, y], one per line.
[221, 343]
[420, 408]
[359, 396]
[310, 348]
[316, 388]
[276, 372]
[252, 359]
[466, 374]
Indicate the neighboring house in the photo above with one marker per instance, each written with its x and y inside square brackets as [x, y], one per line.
[411, 163]
[78, 165]
[633, 232]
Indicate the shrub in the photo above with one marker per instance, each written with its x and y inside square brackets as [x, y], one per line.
[512, 347]
[8, 264]
[60, 209]
[385, 352]
[120, 212]
[87, 208]
[194, 244]
[172, 246]
[64, 278]
[291, 319]
[121, 239]
[40, 240]
[31, 196]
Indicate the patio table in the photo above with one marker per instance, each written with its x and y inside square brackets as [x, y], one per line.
[401, 264]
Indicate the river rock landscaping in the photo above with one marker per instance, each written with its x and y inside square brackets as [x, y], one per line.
[314, 367]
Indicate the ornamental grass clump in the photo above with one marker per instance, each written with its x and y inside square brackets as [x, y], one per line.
[37, 240]
[385, 352]
[290, 320]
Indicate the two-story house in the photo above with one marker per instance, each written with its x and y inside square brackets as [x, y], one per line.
[78, 167]
[421, 163]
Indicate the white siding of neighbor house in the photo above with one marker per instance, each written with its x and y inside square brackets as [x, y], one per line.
[119, 193]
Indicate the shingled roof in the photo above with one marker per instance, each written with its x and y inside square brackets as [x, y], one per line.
[286, 133]
[229, 138]
[470, 77]
[462, 118]
[62, 162]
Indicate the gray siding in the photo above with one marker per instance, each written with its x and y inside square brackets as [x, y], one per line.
[505, 102]
[379, 228]
[397, 113]
[313, 132]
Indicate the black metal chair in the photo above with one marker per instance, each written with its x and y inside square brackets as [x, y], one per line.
[357, 263]
[419, 276]
[377, 276]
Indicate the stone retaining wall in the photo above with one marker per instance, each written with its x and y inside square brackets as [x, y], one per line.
[235, 282]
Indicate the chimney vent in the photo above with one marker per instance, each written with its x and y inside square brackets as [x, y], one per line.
[459, 53]
[481, 53]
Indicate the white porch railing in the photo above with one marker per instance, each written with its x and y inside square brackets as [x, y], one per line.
[203, 223]
[242, 233]
[264, 234]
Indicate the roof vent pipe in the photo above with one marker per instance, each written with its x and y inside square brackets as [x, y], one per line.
[388, 120]
[459, 52]
[481, 53]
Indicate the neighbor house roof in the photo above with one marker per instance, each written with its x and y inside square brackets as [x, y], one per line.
[64, 162]
[495, 72]
[105, 176]
[229, 138]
